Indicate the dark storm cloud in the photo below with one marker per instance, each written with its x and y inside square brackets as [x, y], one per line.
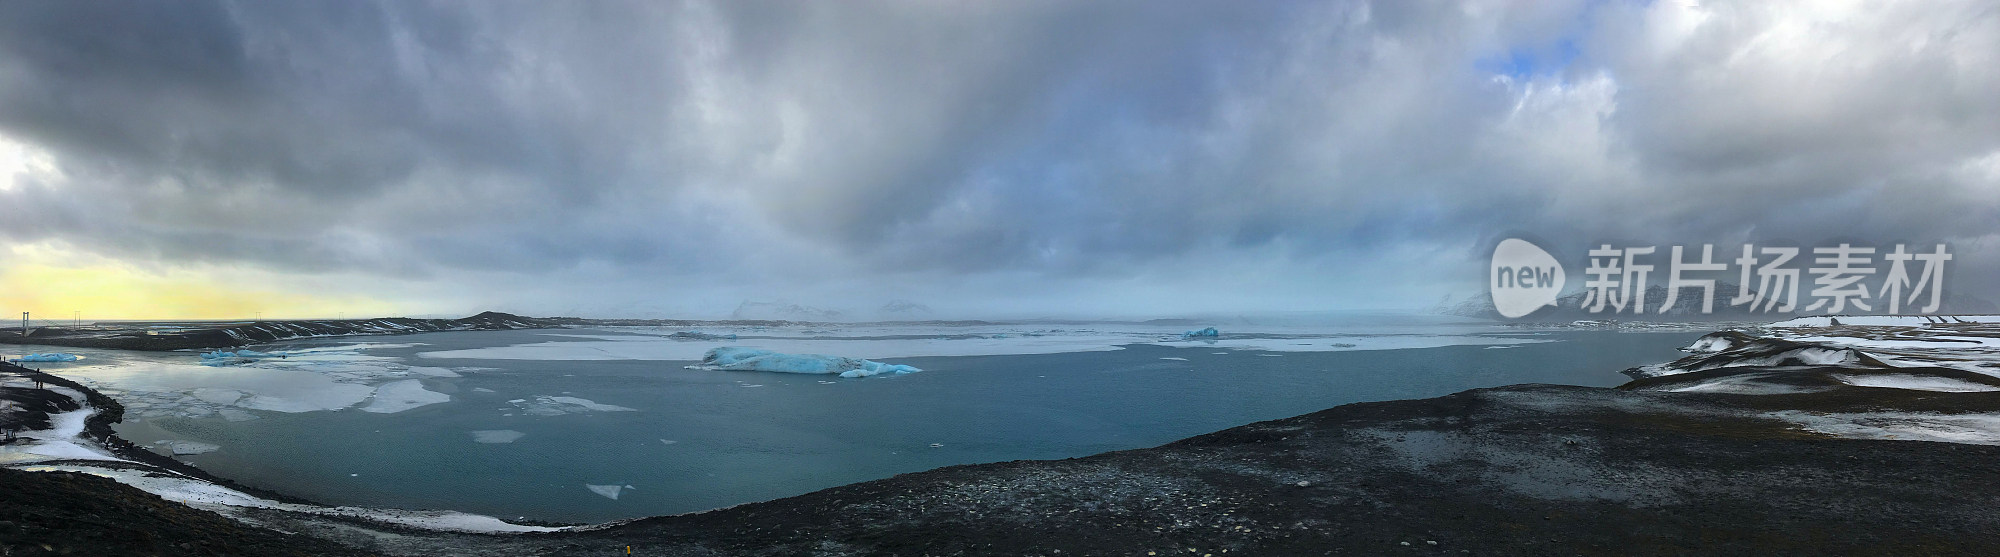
[774, 143]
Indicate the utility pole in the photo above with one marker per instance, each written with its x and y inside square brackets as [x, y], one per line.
[24, 324]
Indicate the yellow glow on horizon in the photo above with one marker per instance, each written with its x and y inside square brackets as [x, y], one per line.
[110, 290]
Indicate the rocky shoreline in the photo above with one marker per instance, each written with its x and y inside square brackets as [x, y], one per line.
[1764, 450]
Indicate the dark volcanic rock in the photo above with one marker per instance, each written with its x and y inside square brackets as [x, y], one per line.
[63, 513]
[1525, 470]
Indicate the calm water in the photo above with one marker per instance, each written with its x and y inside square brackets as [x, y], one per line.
[697, 440]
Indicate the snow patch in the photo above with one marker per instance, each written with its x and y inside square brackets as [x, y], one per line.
[1916, 383]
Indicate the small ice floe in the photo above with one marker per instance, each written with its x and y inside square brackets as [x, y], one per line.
[48, 358]
[397, 396]
[732, 358]
[482, 390]
[936, 445]
[544, 405]
[668, 441]
[758, 385]
[1503, 347]
[1174, 358]
[181, 448]
[496, 436]
[608, 491]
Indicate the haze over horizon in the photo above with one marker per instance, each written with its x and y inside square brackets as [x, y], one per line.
[217, 159]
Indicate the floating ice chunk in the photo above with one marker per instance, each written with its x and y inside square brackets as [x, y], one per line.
[609, 491]
[544, 405]
[180, 448]
[1174, 358]
[668, 441]
[397, 396]
[482, 390]
[496, 436]
[1204, 333]
[734, 358]
[587, 404]
[50, 357]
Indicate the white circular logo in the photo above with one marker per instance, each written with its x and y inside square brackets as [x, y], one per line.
[1524, 278]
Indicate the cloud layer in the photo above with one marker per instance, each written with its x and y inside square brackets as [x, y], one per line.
[1130, 157]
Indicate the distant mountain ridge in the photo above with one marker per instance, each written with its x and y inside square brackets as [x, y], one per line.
[185, 335]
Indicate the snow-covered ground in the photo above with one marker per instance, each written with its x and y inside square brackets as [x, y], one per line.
[1968, 342]
[63, 447]
[1948, 354]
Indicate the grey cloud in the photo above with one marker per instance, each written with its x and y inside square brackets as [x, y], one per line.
[780, 144]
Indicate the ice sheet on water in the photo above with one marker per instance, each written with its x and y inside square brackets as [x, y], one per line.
[878, 342]
[217, 395]
[50, 357]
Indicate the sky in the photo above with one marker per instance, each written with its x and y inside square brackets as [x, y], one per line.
[215, 159]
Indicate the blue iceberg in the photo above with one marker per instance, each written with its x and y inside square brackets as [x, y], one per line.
[1204, 333]
[735, 358]
[51, 357]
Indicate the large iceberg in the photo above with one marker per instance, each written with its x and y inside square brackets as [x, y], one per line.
[52, 357]
[734, 358]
